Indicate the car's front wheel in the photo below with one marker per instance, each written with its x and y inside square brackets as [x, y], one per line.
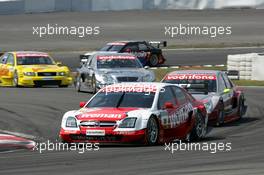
[15, 79]
[78, 84]
[152, 133]
[94, 86]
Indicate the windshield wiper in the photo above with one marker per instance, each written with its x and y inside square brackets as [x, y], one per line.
[120, 100]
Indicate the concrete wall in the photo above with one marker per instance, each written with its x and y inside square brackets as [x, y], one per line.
[35, 6]
[12, 7]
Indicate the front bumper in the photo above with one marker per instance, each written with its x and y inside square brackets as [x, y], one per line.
[37, 80]
[109, 137]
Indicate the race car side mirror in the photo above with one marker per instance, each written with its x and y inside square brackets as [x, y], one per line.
[59, 63]
[168, 105]
[226, 91]
[146, 67]
[82, 104]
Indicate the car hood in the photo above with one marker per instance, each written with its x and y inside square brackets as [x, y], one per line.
[41, 68]
[104, 114]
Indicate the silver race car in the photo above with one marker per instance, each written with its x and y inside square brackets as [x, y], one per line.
[224, 101]
[106, 68]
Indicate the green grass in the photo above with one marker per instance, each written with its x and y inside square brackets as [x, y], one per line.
[160, 73]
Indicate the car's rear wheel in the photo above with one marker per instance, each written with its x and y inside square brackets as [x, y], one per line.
[241, 107]
[152, 131]
[199, 129]
[154, 60]
[221, 115]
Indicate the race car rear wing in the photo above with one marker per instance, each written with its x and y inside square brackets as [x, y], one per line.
[158, 43]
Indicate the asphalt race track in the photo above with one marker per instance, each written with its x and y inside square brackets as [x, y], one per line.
[173, 57]
[38, 112]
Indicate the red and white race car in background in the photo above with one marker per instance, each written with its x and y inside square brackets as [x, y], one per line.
[148, 113]
[223, 100]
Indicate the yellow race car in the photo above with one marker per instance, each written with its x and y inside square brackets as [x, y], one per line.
[28, 68]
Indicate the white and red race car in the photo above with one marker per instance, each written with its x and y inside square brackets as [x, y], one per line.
[147, 113]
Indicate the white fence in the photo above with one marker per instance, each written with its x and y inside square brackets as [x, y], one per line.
[250, 66]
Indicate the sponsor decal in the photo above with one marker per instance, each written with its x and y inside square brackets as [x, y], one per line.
[117, 43]
[112, 116]
[95, 132]
[127, 57]
[131, 88]
[140, 54]
[177, 117]
[191, 77]
[32, 55]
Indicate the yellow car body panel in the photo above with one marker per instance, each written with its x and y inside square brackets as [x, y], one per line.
[42, 73]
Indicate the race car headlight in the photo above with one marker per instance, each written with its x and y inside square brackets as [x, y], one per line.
[128, 123]
[71, 122]
[105, 78]
[61, 73]
[29, 73]
[149, 77]
[209, 106]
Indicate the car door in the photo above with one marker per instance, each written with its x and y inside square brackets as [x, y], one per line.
[226, 93]
[167, 105]
[184, 113]
[230, 93]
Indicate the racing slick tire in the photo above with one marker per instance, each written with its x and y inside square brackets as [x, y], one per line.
[15, 79]
[94, 88]
[154, 60]
[199, 130]
[242, 107]
[78, 83]
[152, 132]
[221, 115]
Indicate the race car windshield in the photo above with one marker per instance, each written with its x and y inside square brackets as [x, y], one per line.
[122, 99]
[113, 48]
[209, 84]
[34, 60]
[118, 63]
